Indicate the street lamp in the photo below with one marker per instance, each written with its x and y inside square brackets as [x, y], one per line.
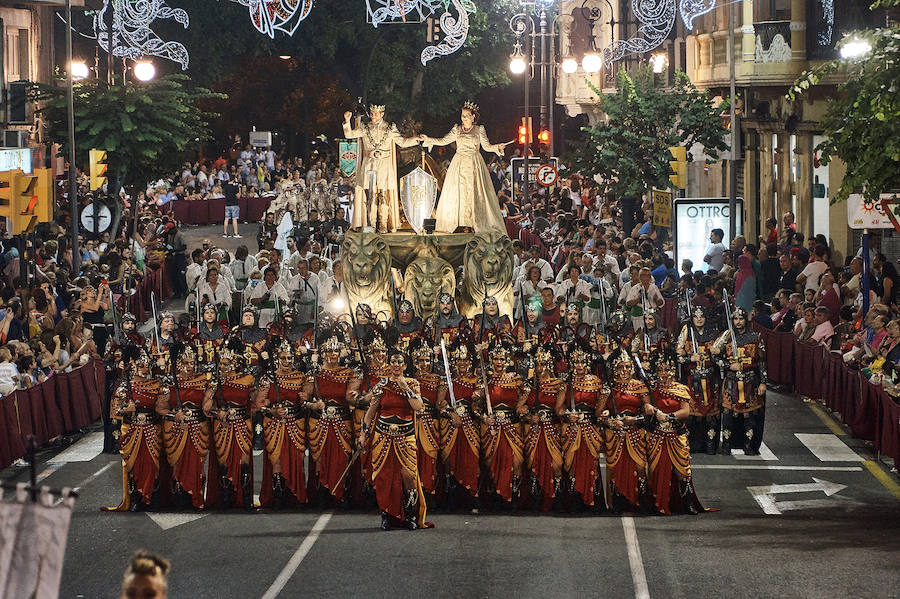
[79, 70]
[144, 70]
[569, 65]
[855, 48]
[517, 62]
[592, 62]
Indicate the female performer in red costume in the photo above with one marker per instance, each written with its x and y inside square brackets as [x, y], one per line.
[186, 427]
[668, 451]
[462, 441]
[284, 431]
[582, 437]
[135, 403]
[543, 452]
[501, 439]
[428, 434]
[330, 426]
[232, 427]
[626, 449]
[390, 420]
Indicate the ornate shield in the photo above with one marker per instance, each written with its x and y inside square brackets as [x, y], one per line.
[418, 192]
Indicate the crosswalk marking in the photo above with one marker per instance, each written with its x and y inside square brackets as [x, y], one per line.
[85, 450]
[765, 454]
[828, 447]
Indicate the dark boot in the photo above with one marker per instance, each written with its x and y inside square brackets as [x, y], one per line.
[278, 491]
[246, 487]
[751, 447]
[257, 431]
[411, 509]
[154, 498]
[452, 491]
[385, 521]
[227, 488]
[557, 495]
[687, 497]
[516, 483]
[135, 497]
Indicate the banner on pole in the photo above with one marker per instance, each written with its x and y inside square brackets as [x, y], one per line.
[348, 149]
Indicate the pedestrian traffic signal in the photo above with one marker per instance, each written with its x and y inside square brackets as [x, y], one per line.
[679, 167]
[98, 169]
[544, 136]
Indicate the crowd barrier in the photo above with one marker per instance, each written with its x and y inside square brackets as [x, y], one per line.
[155, 283]
[212, 211]
[866, 408]
[62, 404]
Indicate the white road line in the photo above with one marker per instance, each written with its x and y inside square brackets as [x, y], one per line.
[768, 467]
[765, 454]
[634, 559]
[85, 450]
[50, 469]
[828, 447]
[94, 476]
[298, 556]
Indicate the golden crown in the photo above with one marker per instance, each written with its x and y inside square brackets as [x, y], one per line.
[469, 105]
[376, 108]
[332, 344]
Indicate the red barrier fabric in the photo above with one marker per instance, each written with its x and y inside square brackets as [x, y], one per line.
[62, 404]
[212, 211]
[870, 412]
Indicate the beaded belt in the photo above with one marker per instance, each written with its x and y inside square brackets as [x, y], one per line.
[192, 412]
[394, 429]
[336, 412]
[142, 418]
[236, 412]
[545, 415]
[505, 415]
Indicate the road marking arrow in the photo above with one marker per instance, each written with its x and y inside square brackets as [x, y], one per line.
[765, 495]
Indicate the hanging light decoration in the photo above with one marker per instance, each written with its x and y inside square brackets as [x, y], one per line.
[132, 36]
[269, 16]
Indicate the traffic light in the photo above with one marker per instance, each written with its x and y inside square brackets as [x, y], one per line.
[433, 34]
[544, 136]
[19, 199]
[46, 195]
[98, 169]
[525, 131]
[679, 167]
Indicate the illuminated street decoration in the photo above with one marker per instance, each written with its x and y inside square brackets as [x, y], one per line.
[132, 36]
[691, 9]
[269, 16]
[825, 36]
[656, 17]
[454, 30]
[404, 11]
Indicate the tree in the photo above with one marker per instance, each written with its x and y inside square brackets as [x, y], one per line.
[629, 151]
[862, 124]
[149, 129]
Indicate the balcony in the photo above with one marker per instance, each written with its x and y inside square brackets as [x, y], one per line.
[773, 41]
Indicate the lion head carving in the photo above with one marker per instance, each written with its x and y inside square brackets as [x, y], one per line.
[488, 270]
[367, 270]
[426, 277]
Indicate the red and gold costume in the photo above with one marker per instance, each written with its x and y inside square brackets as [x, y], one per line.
[393, 450]
[187, 442]
[139, 439]
[234, 436]
[626, 463]
[462, 443]
[543, 450]
[703, 381]
[502, 443]
[743, 407]
[583, 440]
[284, 437]
[428, 433]
[331, 430]
[668, 452]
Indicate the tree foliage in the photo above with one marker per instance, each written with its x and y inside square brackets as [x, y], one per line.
[148, 129]
[336, 53]
[862, 124]
[629, 151]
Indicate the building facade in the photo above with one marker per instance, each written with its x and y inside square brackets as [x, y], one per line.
[775, 41]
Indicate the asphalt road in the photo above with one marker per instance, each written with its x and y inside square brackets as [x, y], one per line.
[833, 531]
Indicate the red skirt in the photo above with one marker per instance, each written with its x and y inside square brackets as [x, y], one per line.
[187, 445]
[285, 442]
[583, 446]
[502, 445]
[542, 454]
[234, 441]
[427, 449]
[460, 453]
[626, 464]
[330, 445]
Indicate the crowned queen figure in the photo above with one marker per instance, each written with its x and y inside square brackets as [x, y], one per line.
[468, 201]
[376, 201]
